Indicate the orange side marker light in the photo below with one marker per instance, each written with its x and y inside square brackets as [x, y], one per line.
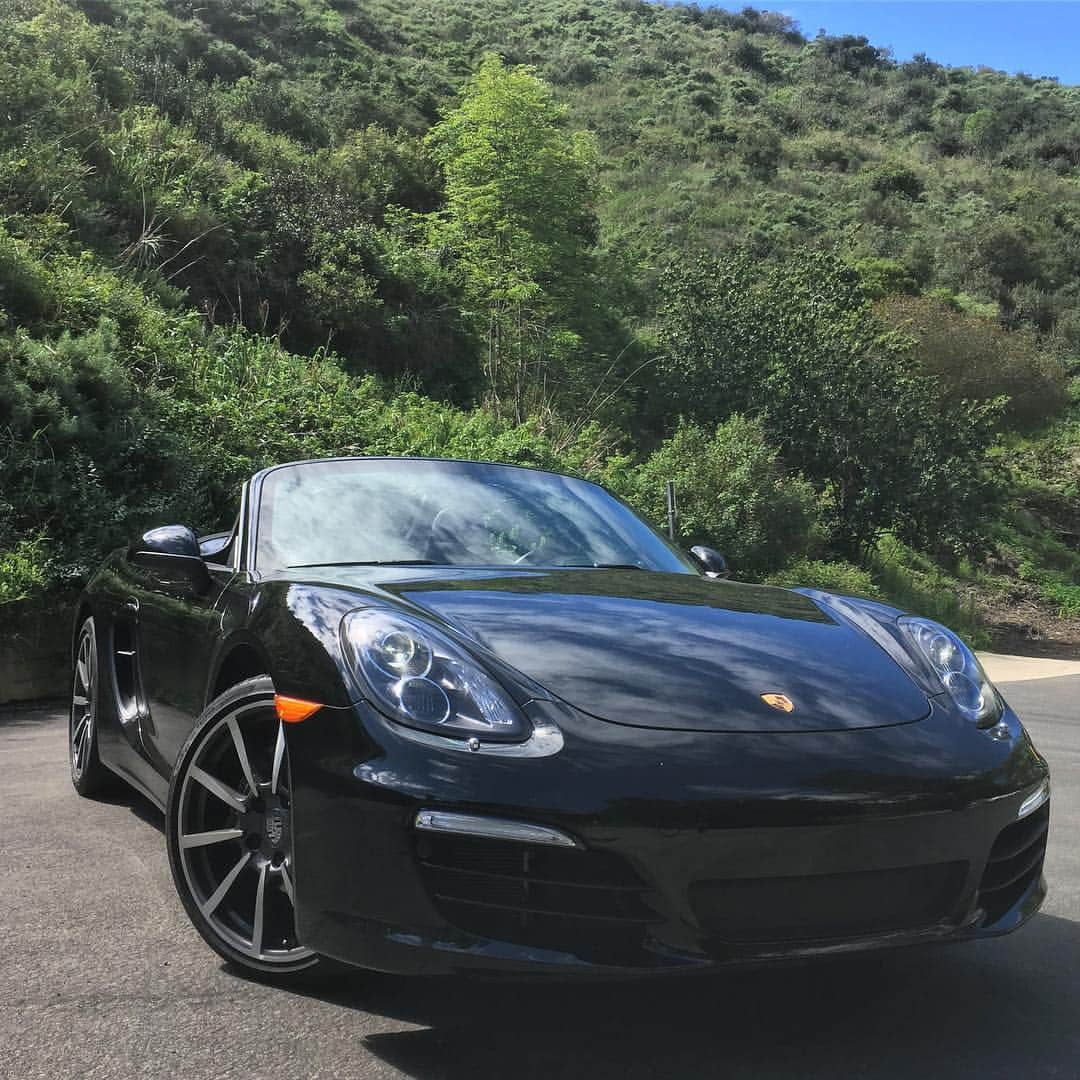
[292, 710]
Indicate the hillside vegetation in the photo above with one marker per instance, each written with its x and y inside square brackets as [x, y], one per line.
[835, 298]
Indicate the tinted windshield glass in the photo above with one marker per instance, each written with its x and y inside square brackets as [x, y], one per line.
[447, 513]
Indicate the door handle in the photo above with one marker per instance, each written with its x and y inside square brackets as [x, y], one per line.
[131, 604]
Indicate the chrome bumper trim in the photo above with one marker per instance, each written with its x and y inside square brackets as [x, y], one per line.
[444, 821]
[1034, 800]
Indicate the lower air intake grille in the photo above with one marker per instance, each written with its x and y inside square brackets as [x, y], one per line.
[1016, 860]
[824, 906]
[588, 903]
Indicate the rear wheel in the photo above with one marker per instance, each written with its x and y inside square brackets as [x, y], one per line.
[228, 826]
[88, 775]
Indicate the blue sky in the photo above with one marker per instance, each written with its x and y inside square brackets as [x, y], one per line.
[1040, 37]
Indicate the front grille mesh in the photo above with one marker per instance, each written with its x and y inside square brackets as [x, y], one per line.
[588, 903]
[1016, 860]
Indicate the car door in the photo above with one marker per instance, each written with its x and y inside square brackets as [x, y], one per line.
[177, 628]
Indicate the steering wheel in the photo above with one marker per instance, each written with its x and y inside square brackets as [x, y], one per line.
[498, 517]
[451, 531]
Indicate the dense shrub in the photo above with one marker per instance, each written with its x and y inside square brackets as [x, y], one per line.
[98, 447]
[254, 403]
[88, 455]
[25, 285]
[885, 277]
[892, 178]
[974, 357]
[836, 577]
[984, 131]
[800, 348]
[24, 569]
[732, 494]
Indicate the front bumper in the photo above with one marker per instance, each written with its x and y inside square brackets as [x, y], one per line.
[694, 849]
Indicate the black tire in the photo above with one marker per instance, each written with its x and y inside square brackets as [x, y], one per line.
[229, 794]
[88, 776]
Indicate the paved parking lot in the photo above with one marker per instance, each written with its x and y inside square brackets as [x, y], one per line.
[101, 975]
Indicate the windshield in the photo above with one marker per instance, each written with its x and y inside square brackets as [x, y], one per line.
[457, 513]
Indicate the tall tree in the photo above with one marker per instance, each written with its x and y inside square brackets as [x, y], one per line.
[520, 218]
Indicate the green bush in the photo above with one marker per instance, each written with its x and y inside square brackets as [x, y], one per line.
[975, 357]
[835, 577]
[760, 149]
[892, 178]
[99, 448]
[885, 277]
[732, 494]
[898, 576]
[88, 455]
[798, 346]
[984, 131]
[1063, 595]
[25, 285]
[24, 569]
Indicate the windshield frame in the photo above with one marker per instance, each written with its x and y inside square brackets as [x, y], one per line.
[255, 496]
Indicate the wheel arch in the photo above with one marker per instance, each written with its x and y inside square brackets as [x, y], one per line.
[83, 611]
[239, 659]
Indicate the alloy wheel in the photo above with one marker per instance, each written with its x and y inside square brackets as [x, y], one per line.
[234, 837]
[83, 704]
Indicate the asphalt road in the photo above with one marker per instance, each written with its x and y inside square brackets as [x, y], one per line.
[102, 976]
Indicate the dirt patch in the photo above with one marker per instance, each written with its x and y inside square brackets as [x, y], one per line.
[1023, 625]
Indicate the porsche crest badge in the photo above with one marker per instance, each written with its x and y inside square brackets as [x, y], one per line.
[779, 701]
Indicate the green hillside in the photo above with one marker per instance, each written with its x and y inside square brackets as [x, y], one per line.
[835, 297]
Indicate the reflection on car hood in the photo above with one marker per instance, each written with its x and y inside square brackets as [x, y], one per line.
[673, 650]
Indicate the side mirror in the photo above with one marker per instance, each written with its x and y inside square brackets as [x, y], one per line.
[171, 553]
[711, 562]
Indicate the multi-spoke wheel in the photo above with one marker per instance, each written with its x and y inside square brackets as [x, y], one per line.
[230, 836]
[87, 773]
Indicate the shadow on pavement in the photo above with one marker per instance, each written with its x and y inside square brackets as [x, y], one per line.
[32, 713]
[995, 1008]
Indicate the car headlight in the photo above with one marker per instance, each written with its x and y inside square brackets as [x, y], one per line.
[421, 678]
[956, 667]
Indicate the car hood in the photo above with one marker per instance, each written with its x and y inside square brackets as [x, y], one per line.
[673, 651]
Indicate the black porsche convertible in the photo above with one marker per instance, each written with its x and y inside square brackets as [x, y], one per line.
[426, 716]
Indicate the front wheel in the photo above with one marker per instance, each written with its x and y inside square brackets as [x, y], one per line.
[229, 833]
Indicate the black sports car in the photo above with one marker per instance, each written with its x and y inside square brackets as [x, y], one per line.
[423, 716]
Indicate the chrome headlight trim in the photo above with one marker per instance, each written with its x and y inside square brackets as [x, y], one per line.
[544, 741]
